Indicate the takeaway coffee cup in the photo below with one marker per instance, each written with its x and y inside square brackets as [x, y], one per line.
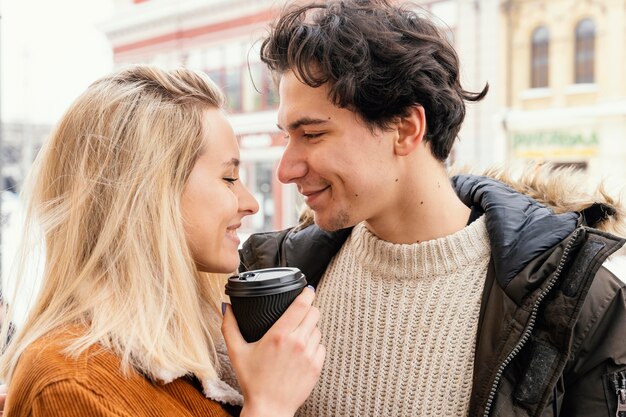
[260, 297]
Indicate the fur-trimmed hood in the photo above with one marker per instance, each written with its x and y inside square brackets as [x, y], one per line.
[568, 190]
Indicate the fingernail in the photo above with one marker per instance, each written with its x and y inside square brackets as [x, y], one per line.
[311, 287]
[223, 308]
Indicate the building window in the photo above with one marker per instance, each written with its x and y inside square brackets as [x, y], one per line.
[229, 81]
[539, 58]
[263, 91]
[232, 88]
[585, 52]
[217, 75]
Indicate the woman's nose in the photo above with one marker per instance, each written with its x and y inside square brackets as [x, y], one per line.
[247, 202]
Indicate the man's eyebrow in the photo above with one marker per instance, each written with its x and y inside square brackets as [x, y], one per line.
[303, 121]
[233, 162]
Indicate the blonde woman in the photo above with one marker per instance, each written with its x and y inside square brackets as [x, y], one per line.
[138, 197]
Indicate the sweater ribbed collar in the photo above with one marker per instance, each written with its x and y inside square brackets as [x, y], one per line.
[446, 255]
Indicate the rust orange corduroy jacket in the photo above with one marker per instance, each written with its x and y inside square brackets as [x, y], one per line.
[48, 383]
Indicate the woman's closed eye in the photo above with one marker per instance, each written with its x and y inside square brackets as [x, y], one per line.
[230, 180]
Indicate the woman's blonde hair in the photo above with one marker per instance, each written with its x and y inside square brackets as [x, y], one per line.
[106, 190]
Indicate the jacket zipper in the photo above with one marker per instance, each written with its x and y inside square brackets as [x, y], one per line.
[531, 323]
[620, 390]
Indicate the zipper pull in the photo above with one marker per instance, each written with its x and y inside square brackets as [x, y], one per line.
[621, 403]
[621, 396]
[620, 390]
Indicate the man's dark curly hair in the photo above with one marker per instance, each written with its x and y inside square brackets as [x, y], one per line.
[379, 60]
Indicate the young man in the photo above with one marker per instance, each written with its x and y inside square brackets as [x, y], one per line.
[438, 297]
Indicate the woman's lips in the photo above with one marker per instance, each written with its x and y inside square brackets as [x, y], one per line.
[231, 232]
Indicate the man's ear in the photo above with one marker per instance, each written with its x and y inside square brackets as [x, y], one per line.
[411, 130]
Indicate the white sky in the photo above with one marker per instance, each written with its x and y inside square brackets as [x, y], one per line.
[51, 50]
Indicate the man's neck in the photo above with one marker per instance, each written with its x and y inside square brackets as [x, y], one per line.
[426, 209]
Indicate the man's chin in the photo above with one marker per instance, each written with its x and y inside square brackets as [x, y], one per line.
[334, 222]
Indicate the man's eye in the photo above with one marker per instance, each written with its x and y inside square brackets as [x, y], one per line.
[312, 135]
[230, 180]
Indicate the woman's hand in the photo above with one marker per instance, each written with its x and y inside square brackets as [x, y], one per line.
[278, 372]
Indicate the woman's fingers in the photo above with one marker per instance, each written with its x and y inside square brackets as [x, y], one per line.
[230, 330]
[295, 314]
[320, 355]
[314, 342]
[309, 322]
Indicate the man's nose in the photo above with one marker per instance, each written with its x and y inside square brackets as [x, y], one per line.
[292, 165]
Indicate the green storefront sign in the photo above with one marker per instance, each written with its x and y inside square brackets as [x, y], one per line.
[538, 140]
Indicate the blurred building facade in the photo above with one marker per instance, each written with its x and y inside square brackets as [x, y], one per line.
[20, 143]
[564, 90]
[221, 37]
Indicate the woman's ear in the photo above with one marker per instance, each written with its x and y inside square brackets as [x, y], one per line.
[411, 130]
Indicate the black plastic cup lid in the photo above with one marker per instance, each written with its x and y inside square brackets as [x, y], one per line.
[267, 281]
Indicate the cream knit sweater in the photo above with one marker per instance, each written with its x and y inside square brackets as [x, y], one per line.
[399, 323]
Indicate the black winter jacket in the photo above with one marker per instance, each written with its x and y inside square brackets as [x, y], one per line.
[552, 329]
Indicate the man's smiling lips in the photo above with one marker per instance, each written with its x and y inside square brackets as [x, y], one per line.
[310, 196]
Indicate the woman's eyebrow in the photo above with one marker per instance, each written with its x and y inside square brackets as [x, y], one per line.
[233, 162]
